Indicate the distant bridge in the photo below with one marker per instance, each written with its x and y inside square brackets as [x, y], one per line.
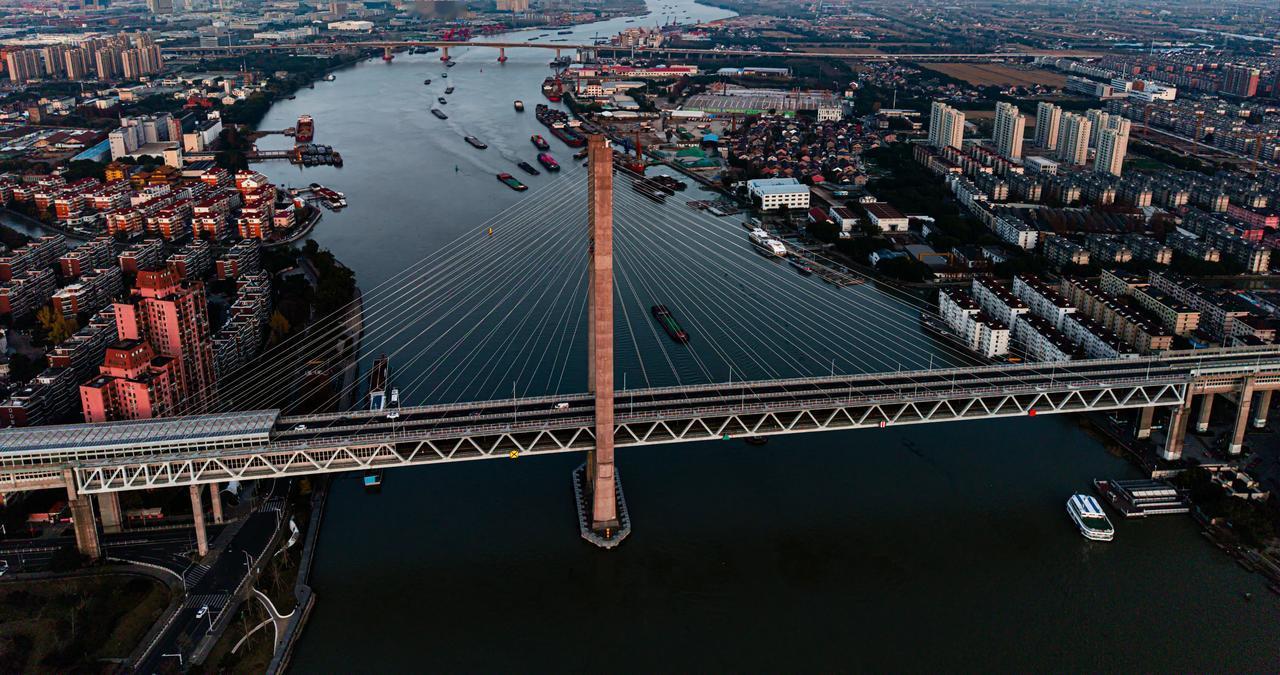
[445, 45]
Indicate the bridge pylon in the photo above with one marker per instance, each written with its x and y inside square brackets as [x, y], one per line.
[601, 520]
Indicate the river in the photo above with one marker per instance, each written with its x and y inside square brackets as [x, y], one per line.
[917, 548]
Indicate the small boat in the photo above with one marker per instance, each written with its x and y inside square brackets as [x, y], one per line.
[292, 98]
[756, 440]
[449, 64]
[442, 100]
[511, 182]
[519, 106]
[372, 481]
[427, 81]
[444, 74]
[528, 168]
[564, 32]
[475, 142]
[801, 267]
[448, 90]
[539, 142]
[1087, 514]
[439, 113]
[546, 160]
[581, 154]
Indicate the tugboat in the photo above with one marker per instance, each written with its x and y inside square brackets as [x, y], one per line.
[546, 160]
[475, 142]
[439, 113]
[519, 105]
[540, 143]
[669, 323]
[511, 182]
[528, 168]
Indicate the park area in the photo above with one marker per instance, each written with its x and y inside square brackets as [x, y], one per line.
[997, 74]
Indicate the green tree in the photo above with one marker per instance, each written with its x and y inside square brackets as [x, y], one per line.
[279, 327]
[56, 326]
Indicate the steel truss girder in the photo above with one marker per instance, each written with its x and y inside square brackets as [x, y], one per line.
[135, 473]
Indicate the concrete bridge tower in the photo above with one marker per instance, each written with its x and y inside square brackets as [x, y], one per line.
[601, 480]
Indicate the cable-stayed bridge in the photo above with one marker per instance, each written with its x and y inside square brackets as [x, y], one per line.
[491, 332]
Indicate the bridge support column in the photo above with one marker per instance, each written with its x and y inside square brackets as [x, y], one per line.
[502, 54]
[1206, 409]
[82, 518]
[1177, 431]
[1242, 417]
[109, 509]
[444, 53]
[1142, 430]
[1260, 409]
[215, 500]
[600, 470]
[197, 510]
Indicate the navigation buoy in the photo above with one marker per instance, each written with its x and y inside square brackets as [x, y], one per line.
[514, 454]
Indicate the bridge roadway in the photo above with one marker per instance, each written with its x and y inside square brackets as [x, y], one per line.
[665, 51]
[246, 446]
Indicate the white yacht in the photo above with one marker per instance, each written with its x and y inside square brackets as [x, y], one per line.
[1088, 515]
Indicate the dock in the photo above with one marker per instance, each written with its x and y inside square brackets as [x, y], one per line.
[1143, 497]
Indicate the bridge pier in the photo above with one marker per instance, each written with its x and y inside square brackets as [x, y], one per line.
[502, 54]
[1242, 417]
[197, 510]
[1177, 431]
[1260, 409]
[1142, 430]
[444, 53]
[215, 500]
[109, 509]
[86, 527]
[1206, 409]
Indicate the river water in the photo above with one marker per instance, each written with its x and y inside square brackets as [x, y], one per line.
[916, 548]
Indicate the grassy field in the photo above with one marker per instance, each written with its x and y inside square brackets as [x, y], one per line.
[75, 625]
[998, 74]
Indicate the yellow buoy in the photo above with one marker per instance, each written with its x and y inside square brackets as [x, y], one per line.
[513, 454]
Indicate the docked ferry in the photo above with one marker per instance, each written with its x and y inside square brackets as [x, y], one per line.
[766, 244]
[1087, 514]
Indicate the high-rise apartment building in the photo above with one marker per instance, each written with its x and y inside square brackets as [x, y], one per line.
[1241, 80]
[172, 316]
[946, 126]
[1010, 125]
[1073, 139]
[1113, 143]
[24, 64]
[1048, 117]
[1098, 120]
[133, 383]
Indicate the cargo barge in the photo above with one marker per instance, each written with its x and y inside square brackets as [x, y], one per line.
[647, 189]
[305, 130]
[670, 184]
[669, 324]
[511, 182]
[548, 162]
[557, 121]
[553, 89]
[528, 168]
[475, 142]
[439, 113]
